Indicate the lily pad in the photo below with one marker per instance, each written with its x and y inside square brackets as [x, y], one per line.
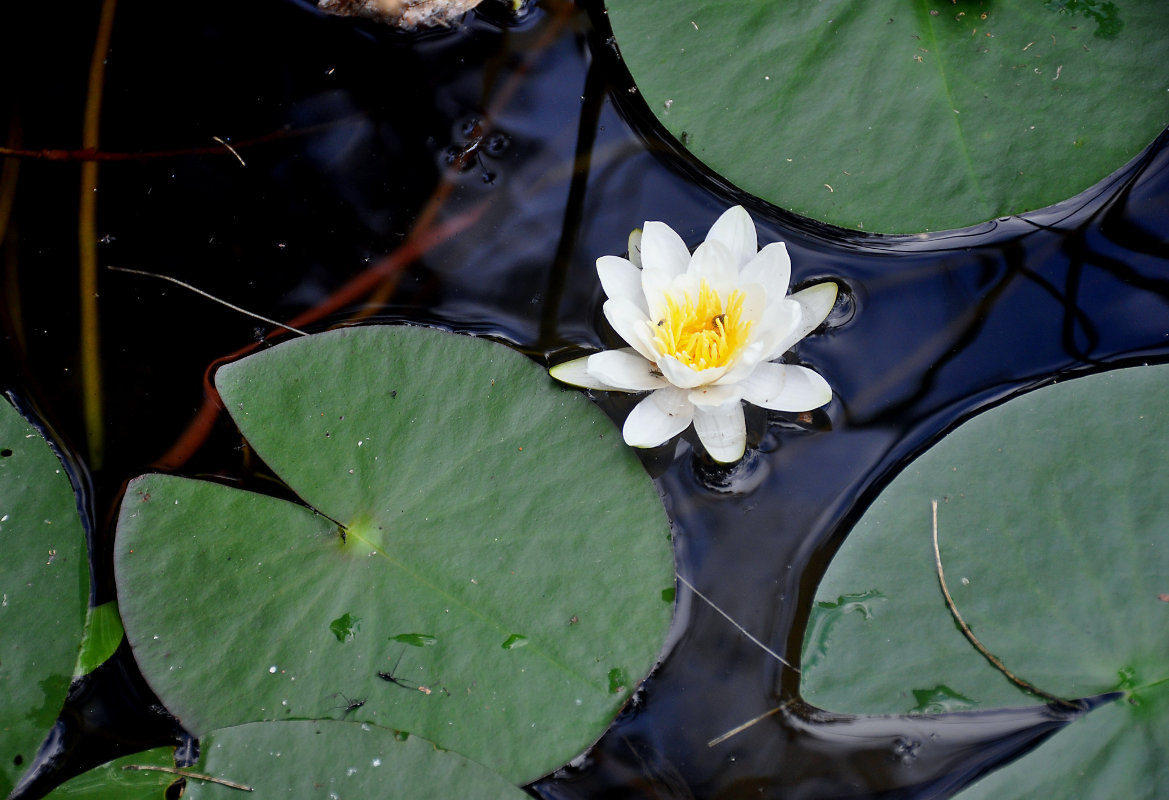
[44, 580]
[305, 758]
[338, 759]
[1051, 526]
[465, 504]
[1117, 751]
[907, 116]
[120, 780]
[103, 634]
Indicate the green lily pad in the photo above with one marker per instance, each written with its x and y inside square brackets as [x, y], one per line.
[103, 634]
[120, 780]
[1117, 751]
[44, 580]
[325, 758]
[304, 758]
[906, 116]
[1052, 527]
[482, 505]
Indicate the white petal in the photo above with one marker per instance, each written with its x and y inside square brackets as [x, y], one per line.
[576, 373]
[631, 325]
[722, 431]
[658, 418]
[785, 387]
[619, 278]
[714, 262]
[814, 304]
[626, 370]
[663, 249]
[713, 394]
[755, 305]
[735, 231]
[685, 377]
[782, 328]
[634, 246]
[772, 268]
[663, 257]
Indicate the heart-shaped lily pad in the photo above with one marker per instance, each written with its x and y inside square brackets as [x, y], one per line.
[903, 116]
[44, 578]
[486, 569]
[1052, 529]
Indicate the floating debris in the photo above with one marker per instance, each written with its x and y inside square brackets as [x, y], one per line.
[405, 14]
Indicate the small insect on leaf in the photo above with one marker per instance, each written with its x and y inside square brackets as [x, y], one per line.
[350, 705]
[390, 677]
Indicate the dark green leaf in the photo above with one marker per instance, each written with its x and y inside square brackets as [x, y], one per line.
[483, 507]
[1052, 527]
[415, 639]
[345, 627]
[904, 116]
[118, 780]
[103, 634]
[338, 759]
[44, 579]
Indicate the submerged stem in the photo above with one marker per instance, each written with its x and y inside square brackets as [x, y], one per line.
[87, 243]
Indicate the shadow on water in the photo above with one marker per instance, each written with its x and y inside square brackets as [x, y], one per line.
[525, 133]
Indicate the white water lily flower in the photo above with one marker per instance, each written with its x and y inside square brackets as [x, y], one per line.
[705, 332]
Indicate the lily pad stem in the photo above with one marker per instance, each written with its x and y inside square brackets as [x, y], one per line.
[91, 378]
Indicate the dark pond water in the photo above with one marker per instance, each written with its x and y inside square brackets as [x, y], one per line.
[348, 133]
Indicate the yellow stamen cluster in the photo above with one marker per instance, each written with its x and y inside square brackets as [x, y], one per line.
[705, 333]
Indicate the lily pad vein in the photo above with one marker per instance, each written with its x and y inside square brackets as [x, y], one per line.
[959, 130]
[458, 602]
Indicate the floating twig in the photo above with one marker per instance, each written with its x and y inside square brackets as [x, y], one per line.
[188, 774]
[196, 290]
[989, 656]
[231, 150]
[749, 723]
[740, 628]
